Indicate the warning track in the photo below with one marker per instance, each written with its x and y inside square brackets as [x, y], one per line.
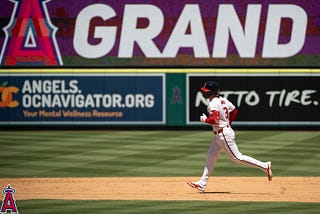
[290, 189]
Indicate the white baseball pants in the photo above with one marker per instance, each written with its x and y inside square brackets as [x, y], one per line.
[225, 140]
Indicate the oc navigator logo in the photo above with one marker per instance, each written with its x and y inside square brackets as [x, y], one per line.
[7, 96]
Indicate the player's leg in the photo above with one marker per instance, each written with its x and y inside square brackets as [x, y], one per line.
[227, 141]
[212, 156]
[213, 153]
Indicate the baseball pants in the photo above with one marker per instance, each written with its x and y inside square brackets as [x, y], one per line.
[225, 141]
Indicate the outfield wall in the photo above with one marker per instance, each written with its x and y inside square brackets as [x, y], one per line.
[159, 97]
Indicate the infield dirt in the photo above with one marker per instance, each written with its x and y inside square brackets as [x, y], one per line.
[290, 189]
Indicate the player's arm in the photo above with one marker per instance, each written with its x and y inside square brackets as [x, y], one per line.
[213, 119]
[232, 115]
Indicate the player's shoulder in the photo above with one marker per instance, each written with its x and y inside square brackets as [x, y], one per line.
[215, 100]
[225, 101]
[215, 103]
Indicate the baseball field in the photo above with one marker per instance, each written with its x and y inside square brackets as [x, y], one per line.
[146, 172]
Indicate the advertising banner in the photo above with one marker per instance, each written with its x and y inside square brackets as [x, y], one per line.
[159, 33]
[262, 99]
[82, 99]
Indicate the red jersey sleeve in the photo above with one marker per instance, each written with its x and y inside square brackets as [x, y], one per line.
[214, 118]
[233, 115]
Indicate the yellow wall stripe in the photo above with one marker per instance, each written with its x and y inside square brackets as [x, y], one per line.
[160, 70]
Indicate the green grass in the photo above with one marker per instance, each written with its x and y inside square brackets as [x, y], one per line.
[150, 153]
[153, 153]
[159, 207]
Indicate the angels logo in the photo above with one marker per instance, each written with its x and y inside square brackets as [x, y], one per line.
[8, 203]
[30, 36]
[176, 96]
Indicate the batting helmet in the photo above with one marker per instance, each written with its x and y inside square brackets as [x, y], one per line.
[210, 88]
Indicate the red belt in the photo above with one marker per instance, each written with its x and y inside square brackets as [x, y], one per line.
[220, 130]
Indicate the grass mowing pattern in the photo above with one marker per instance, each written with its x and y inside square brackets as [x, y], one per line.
[150, 153]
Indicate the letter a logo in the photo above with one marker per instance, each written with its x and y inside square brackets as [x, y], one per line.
[8, 203]
[30, 36]
[176, 96]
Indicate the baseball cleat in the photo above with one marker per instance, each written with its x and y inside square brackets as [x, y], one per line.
[197, 185]
[269, 172]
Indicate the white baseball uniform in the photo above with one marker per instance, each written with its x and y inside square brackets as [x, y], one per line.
[224, 139]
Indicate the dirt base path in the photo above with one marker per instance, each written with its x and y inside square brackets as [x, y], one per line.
[291, 189]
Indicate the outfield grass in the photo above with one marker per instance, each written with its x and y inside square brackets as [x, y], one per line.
[163, 207]
[152, 153]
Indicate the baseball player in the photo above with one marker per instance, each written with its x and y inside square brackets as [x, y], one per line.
[221, 114]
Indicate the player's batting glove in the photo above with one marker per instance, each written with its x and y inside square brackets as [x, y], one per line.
[203, 118]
